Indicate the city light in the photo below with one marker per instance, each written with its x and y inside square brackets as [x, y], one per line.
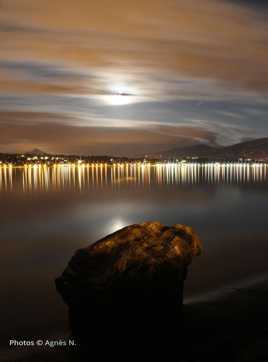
[82, 175]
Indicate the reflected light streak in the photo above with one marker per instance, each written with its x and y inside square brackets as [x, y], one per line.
[80, 177]
[117, 224]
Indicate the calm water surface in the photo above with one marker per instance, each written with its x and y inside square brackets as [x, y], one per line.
[46, 213]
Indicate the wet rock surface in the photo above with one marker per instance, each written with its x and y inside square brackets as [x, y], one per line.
[131, 280]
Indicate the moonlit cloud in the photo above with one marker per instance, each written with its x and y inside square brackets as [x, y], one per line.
[153, 74]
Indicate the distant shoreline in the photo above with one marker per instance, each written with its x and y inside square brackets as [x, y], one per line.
[83, 163]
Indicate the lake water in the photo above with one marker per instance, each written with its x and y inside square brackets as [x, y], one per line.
[46, 213]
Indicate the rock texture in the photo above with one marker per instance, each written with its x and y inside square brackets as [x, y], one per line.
[132, 278]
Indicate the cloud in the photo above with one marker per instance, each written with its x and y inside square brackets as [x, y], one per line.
[254, 4]
[21, 131]
[178, 61]
[220, 40]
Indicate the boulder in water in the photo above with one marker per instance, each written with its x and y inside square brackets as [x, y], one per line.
[131, 278]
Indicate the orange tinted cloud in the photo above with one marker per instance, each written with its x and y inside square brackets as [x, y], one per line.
[65, 59]
[218, 39]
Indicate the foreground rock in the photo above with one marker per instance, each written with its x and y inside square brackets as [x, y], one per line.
[130, 279]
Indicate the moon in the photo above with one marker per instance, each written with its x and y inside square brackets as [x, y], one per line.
[118, 99]
[120, 95]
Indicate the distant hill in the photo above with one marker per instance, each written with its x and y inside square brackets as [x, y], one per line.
[36, 152]
[199, 150]
[255, 149]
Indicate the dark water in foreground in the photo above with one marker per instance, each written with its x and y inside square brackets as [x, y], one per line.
[48, 213]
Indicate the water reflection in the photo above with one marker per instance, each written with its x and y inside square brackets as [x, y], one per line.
[226, 204]
[84, 176]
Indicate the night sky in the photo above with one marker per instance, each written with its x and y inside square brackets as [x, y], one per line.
[131, 77]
